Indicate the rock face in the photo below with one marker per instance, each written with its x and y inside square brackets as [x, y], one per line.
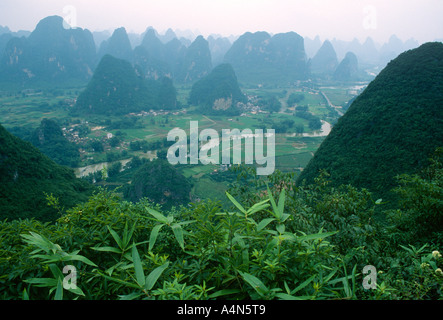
[325, 61]
[173, 59]
[26, 175]
[117, 46]
[218, 93]
[197, 62]
[218, 46]
[391, 128]
[50, 55]
[347, 70]
[258, 58]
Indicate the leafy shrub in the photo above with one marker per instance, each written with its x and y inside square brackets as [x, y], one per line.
[276, 241]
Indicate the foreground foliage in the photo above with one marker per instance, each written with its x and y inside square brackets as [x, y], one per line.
[277, 241]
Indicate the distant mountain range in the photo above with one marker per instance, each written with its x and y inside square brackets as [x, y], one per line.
[54, 55]
[262, 58]
[369, 53]
[51, 54]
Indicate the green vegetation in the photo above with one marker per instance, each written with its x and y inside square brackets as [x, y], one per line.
[390, 129]
[50, 140]
[141, 136]
[295, 98]
[219, 86]
[275, 241]
[29, 179]
[116, 89]
[136, 227]
[159, 182]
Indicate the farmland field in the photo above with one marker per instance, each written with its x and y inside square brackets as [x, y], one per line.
[293, 151]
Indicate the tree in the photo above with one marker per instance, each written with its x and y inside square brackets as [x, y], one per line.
[295, 98]
[161, 183]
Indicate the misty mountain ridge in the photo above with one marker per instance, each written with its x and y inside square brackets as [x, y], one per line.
[259, 58]
[118, 45]
[52, 54]
[369, 53]
[325, 60]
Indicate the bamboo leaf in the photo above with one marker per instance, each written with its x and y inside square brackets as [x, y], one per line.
[258, 207]
[76, 291]
[238, 205]
[107, 249]
[127, 235]
[79, 258]
[224, 292]
[281, 202]
[275, 212]
[128, 284]
[178, 233]
[56, 271]
[329, 277]
[264, 223]
[116, 238]
[139, 275]
[25, 295]
[42, 282]
[285, 296]
[255, 283]
[158, 216]
[152, 278]
[131, 296]
[303, 285]
[154, 235]
[281, 228]
[59, 290]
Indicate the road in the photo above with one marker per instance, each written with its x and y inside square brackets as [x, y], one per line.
[331, 105]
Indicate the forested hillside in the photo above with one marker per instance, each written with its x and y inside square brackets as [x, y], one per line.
[218, 93]
[27, 177]
[390, 129]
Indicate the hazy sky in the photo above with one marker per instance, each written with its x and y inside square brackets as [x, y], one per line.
[342, 19]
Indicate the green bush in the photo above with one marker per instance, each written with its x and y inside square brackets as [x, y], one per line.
[276, 241]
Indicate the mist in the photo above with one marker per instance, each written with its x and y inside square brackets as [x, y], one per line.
[340, 19]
